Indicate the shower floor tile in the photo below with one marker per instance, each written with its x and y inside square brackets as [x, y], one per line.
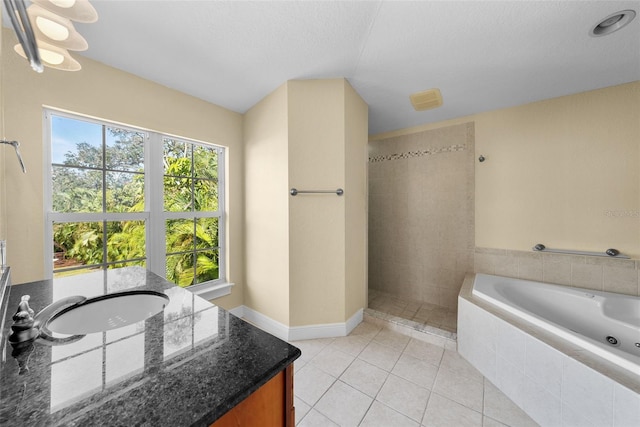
[420, 312]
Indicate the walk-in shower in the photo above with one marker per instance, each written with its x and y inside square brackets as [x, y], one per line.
[421, 223]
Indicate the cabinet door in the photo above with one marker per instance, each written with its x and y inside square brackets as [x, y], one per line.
[269, 406]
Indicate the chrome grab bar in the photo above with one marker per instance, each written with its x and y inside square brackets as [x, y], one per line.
[613, 253]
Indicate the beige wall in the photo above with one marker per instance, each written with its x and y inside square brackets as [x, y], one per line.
[556, 168]
[327, 149]
[356, 134]
[103, 92]
[563, 172]
[317, 222]
[297, 247]
[266, 206]
[3, 204]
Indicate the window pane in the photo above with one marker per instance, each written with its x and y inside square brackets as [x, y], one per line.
[177, 158]
[180, 269]
[100, 169]
[76, 142]
[205, 162]
[125, 240]
[76, 244]
[179, 235]
[177, 194]
[206, 233]
[76, 190]
[125, 192]
[205, 196]
[206, 266]
[124, 150]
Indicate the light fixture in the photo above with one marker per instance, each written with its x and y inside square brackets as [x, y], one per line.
[18, 14]
[46, 33]
[76, 10]
[426, 100]
[52, 57]
[55, 29]
[612, 23]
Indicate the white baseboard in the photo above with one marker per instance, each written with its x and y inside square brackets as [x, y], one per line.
[296, 333]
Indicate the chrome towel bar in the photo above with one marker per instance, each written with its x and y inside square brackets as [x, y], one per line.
[612, 253]
[295, 191]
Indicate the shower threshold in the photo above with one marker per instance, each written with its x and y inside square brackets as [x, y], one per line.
[424, 321]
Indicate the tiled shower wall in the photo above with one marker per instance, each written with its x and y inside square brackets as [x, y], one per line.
[421, 214]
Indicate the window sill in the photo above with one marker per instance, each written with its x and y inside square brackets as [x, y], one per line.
[213, 291]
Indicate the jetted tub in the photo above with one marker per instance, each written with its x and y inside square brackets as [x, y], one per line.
[546, 348]
[604, 323]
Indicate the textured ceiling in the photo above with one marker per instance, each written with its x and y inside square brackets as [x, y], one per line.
[483, 55]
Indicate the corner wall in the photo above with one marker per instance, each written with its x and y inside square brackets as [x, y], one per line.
[356, 236]
[306, 254]
[266, 217]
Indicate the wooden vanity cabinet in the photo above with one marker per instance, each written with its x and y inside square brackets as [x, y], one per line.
[269, 406]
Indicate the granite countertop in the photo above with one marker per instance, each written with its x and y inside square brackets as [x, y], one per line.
[185, 366]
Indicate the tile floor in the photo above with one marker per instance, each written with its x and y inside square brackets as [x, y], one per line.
[420, 312]
[377, 377]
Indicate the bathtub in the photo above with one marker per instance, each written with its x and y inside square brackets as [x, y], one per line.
[545, 347]
[604, 323]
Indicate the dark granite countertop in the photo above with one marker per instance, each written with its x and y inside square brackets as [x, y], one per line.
[185, 366]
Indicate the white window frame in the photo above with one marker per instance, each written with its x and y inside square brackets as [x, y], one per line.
[154, 215]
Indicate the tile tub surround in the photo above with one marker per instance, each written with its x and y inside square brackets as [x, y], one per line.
[186, 366]
[421, 214]
[554, 382]
[607, 274]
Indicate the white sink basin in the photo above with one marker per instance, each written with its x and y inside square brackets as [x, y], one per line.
[107, 312]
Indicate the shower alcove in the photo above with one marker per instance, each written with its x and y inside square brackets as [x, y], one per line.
[421, 223]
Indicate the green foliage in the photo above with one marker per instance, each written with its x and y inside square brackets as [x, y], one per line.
[190, 185]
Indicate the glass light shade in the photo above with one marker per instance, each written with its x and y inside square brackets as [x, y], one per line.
[54, 29]
[53, 57]
[76, 10]
[50, 57]
[64, 3]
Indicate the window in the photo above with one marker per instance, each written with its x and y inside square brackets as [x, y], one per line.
[121, 196]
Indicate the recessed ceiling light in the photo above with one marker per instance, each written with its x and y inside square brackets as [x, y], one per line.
[612, 23]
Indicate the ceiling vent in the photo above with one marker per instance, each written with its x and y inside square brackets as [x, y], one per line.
[426, 100]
